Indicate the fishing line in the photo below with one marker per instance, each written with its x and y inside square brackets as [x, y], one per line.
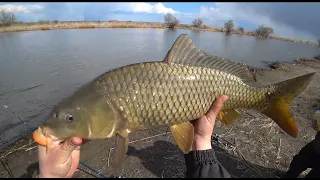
[95, 171]
[82, 163]
[7, 107]
[216, 138]
[6, 167]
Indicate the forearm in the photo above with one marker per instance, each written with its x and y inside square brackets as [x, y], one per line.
[204, 164]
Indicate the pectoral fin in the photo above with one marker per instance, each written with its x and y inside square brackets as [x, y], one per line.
[121, 148]
[183, 135]
[228, 116]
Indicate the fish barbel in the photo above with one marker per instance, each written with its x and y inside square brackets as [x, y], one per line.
[170, 93]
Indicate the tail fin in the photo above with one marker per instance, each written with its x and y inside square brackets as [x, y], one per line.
[279, 107]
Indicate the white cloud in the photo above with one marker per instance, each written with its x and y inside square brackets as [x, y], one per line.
[217, 15]
[233, 11]
[158, 8]
[15, 8]
[212, 13]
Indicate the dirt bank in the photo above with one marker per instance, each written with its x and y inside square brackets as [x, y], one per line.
[258, 147]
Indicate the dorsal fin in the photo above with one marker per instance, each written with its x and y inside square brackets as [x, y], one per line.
[183, 51]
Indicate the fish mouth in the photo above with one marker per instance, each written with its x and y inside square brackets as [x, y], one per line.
[44, 136]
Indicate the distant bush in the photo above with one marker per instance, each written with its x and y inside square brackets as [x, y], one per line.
[263, 31]
[44, 22]
[55, 21]
[240, 29]
[229, 26]
[197, 22]
[7, 18]
[170, 20]
[319, 42]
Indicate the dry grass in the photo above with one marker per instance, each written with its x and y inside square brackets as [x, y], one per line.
[30, 145]
[293, 40]
[79, 25]
[126, 24]
[250, 33]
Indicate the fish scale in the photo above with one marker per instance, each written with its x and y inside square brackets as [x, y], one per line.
[160, 93]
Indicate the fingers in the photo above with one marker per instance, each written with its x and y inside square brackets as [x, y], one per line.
[77, 141]
[71, 144]
[216, 107]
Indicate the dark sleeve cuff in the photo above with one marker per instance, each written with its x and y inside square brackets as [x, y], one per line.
[204, 164]
[197, 158]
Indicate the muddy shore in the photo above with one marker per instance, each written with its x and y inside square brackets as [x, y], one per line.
[252, 147]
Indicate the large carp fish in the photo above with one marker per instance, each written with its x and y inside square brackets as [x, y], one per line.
[171, 93]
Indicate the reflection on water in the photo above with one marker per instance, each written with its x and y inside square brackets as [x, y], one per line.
[63, 60]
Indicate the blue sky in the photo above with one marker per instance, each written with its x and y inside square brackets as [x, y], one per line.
[294, 20]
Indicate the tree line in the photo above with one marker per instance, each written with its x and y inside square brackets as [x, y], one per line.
[261, 31]
[8, 18]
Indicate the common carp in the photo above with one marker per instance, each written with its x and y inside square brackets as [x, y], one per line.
[171, 93]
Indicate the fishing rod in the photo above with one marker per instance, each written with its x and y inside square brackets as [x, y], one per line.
[82, 163]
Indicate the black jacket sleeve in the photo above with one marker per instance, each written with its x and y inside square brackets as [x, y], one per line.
[317, 142]
[204, 164]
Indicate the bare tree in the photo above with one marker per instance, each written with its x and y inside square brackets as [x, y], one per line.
[240, 29]
[7, 18]
[170, 20]
[229, 26]
[263, 31]
[197, 22]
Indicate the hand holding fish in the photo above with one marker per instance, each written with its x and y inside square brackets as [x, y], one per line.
[203, 127]
[60, 160]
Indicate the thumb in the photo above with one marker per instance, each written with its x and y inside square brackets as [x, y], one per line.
[69, 145]
[216, 107]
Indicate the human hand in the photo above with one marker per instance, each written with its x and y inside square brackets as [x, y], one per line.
[59, 160]
[203, 127]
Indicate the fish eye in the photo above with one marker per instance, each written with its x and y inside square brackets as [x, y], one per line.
[69, 118]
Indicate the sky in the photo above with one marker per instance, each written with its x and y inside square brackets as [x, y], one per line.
[293, 20]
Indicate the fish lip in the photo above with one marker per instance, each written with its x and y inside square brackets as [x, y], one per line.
[49, 134]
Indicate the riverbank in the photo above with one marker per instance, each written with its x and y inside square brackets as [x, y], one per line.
[51, 25]
[257, 146]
